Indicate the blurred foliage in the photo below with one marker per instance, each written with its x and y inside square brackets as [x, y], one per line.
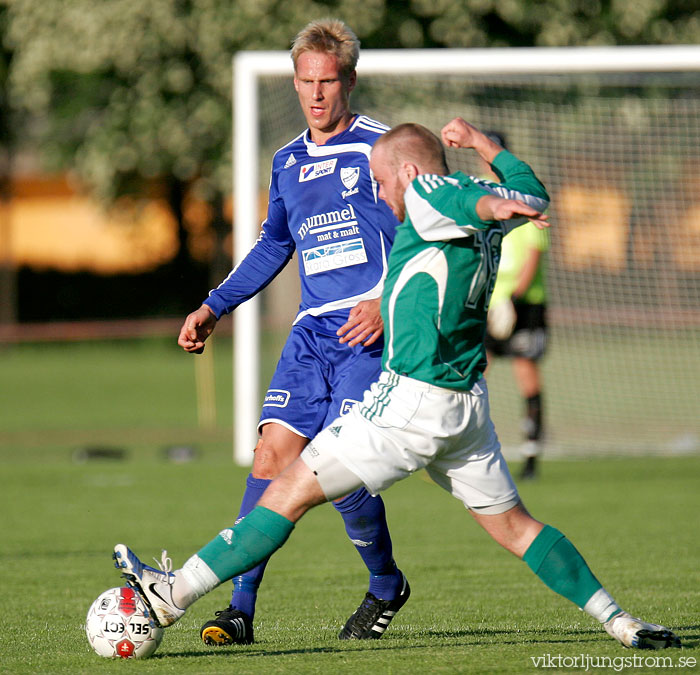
[550, 23]
[126, 91]
[129, 95]
[5, 107]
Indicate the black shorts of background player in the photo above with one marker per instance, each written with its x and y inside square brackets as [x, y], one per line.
[526, 345]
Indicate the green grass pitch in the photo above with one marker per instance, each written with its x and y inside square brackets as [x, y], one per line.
[474, 608]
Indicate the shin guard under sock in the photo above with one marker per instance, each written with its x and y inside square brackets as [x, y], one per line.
[555, 560]
[245, 586]
[253, 539]
[365, 524]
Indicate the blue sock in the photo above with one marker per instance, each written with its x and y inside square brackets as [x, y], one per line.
[245, 587]
[365, 523]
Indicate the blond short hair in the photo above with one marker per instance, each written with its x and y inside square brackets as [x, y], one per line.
[417, 144]
[331, 36]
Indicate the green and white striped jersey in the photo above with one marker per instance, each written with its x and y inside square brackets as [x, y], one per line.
[442, 270]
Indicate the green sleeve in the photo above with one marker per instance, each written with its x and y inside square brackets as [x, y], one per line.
[517, 175]
[442, 207]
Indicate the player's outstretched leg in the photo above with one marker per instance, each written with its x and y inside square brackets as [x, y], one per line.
[233, 551]
[557, 562]
[559, 565]
[631, 632]
[365, 523]
[154, 586]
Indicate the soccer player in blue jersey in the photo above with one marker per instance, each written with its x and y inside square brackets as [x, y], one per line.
[323, 204]
[430, 407]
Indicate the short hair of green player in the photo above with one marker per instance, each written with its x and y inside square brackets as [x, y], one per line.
[330, 36]
[414, 143]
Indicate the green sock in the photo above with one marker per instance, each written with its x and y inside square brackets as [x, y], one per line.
[555, 560]
[238, 549]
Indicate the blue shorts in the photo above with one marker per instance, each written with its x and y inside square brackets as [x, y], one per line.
[317, 379]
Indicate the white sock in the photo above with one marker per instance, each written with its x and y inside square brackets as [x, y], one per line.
[601, 606]
[193, 580]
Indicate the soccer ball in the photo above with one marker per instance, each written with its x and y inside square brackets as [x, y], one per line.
[118, 626]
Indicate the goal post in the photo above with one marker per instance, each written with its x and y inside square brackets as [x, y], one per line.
[550, 100]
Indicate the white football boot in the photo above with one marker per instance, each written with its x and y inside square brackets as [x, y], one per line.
[154, 586]
[631, 632]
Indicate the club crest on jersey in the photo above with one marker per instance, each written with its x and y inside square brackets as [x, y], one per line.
[317, 169]
[350, 175]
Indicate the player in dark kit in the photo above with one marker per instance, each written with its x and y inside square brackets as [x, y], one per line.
[323, 204]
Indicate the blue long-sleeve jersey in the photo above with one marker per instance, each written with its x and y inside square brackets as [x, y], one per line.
[324, 204]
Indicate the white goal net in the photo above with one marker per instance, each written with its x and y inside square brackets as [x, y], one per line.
[614, 133]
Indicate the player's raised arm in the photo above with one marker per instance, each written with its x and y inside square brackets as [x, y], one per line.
[460, 134]
[517, 179]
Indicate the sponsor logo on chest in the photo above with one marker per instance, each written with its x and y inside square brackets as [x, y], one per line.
[333, 256]
[317, 169]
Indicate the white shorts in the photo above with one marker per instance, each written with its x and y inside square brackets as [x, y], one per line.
[403, 425]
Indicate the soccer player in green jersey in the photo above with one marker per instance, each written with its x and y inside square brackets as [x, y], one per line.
[430, 407]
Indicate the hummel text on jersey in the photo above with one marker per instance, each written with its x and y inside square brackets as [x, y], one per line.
[331, 220]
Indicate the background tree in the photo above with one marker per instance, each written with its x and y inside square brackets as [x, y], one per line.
[541, 23]
[125, 93]
[8, 278]
[131, 95]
